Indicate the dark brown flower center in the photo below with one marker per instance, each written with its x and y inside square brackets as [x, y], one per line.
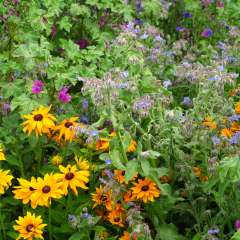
[38, 117]
[123, 173]
[46, 189]
[29, 227]
[69, 176]
[68, 124]
[103, 198]
[31, 189]
[145, 188]
[117, 219]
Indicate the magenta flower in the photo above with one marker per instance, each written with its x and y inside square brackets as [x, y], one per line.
[37, 86]
[53, 31]
[207, 32]
[82, 43]
[63, 95]
[220, 4]
[237, 224]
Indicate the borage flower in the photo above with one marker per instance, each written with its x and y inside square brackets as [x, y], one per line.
[30, 227]
[40, 121]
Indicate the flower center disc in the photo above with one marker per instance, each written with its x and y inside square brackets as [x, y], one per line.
[145, 188]
[123, 173]
[117, 219]
[46, 189]
[29, 227]
[69, 176]
[38, 117]
[31, 189]
[68, 124]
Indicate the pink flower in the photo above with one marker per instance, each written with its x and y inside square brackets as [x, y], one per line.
[53, 31]
[37, 87]
[63, 95]
[220, 4]
[237, 224]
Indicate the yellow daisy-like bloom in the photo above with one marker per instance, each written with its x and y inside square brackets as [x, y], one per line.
[25, 190]
[102, 144]
[40, 121]
[235, 127]
[71, 177]
[56, 160]
[116, 217]
[145, 190]
[6, 180]
[29, 227]
[101, 197]
[120, 176]
[66, 130]
[45, 189]
[226, 132]
[2, 155]
[208, 122]
[128, 197]
[197, 171]
[237, 107]
[132, 147]
[125, 236]
[82, 164]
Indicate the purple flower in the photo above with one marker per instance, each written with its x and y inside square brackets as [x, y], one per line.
[180, 29]
[85, 104]
[237, 224]
[216, 140]
[82, 43]
[84, 119]
[108, 161]
[138, 21]
[53, 31]
[6, 108]
[187, 101]
[234, 117]
[213, 231]
[37, 86]
[234, 139]
[125, 74]
[207, 32]
[167, 83]
[63, 95]
[187, 15]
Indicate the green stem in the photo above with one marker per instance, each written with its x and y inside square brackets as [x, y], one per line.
[50, 223]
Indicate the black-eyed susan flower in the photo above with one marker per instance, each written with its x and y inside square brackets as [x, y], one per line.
[65, 128]
[72, 178]
[102, 197]
[40, 121]
[209, 122]
[6, 180]
[102, 144]
[30, 227]
[197, 171]
[132, 146]
[226, 132]
[145, 190]
[82, 163]
[56, 160]
[128, 197]
[46, 189]
[126, 236]
[2, 155]
[237, 108]
[116, 217]
[25, 190]
[119, 175]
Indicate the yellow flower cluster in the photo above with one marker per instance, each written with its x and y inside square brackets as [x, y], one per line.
[6, 180]
[41, 191]
[41, 122]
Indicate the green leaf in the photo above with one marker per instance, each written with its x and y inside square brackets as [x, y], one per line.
[65, 24]
[146, 167]
[116, 159]
[131, 170]
[169, 232]
[76, 236]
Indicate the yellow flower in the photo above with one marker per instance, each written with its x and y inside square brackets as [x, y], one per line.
[119, 175]
[25, 190]
[102, 144]
[71, 177]
[208, 122]
[235, 127]
[82, 164]
[66, 130]
[145, 190]
[29, 227]
[226, 132]
[56, 160]
[45, 189]
[126, 236]
[2, 155]
[40, 121]
[132, 147]
[237, 107]
[197, 171]
[102, 197]
[128, 197]
[116, 217]
[6, 180]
